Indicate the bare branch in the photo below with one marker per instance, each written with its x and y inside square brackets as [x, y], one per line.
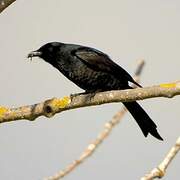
[160, 171]
[89, 151]
[50, 107]
[5, 3]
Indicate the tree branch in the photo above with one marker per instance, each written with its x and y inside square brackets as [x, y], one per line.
[160, 171]
[50, 107]
[5, 3]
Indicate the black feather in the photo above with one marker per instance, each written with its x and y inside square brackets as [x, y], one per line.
[93, 71]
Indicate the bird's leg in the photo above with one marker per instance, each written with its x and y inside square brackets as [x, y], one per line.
[90, 94]
[77, 94]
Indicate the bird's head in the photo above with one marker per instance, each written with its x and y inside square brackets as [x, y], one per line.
[47, 51]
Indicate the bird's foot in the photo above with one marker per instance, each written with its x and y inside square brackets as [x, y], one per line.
[77, 94]
[89, 95]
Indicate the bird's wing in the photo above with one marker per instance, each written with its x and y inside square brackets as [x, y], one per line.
[101, 62]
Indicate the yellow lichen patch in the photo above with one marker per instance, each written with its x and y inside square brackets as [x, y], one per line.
[3, 110]
[61, 103]
[169, 85]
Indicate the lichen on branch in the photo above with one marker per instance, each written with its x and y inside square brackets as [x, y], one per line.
[56, 105]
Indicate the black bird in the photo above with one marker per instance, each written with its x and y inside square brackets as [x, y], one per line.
[94, 71]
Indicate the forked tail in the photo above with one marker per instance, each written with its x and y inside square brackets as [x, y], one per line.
[144, 121]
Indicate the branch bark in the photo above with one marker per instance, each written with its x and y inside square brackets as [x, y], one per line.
[50, 107]
[5, 3]
[160, 171]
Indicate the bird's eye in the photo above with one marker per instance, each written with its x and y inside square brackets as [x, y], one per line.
[50, 49]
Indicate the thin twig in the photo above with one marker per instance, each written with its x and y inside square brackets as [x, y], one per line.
[5, 3]
[100, 138]
[160, 171]
[89, 151]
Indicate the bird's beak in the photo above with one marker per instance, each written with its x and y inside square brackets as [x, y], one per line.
[34, 54]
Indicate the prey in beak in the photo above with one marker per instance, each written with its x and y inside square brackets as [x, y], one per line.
[34, 54]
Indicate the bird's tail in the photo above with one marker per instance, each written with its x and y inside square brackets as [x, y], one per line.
[143, 120]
